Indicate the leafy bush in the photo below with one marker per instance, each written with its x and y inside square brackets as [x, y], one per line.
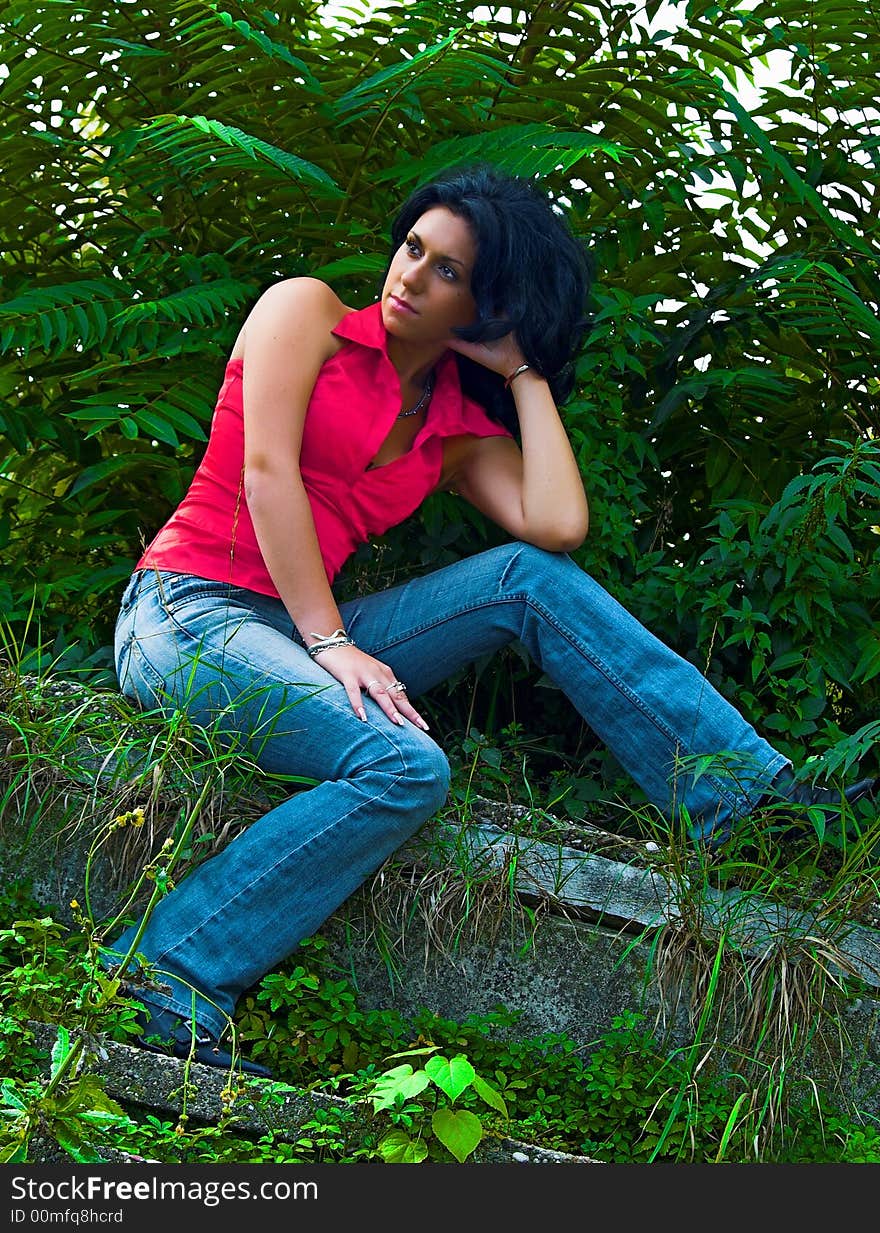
[164, 163]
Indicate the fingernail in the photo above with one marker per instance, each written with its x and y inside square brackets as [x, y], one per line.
[398, 719]
[362, 714]
[424, 726]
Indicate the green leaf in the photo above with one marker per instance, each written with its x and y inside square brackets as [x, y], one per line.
[60, 1050]
[452, 1077]
[459, 1131]
[10, 1096]
[805, 192]
[535, 149]
[401, 1082]
[13, 1153]
[490, 1095]
[405, 68]
[88, 1098]
[275, 50]
[127, 48]
[155, 426]
[166, 131]
[111, 467]
[398, 1148]
[869, 661]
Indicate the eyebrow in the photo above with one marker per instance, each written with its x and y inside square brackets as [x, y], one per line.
[443, 256]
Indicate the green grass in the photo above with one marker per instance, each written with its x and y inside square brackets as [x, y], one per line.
[148, 794]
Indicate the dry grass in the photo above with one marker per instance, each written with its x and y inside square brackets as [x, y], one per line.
[73, 760]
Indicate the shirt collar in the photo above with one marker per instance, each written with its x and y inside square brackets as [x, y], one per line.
[364, 326]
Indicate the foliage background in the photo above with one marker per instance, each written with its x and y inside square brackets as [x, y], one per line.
[162, 163]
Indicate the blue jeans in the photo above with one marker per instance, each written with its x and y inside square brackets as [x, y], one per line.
[232, 659]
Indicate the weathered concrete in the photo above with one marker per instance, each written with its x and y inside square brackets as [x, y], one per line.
[565, 975]
[635, 895]
[148, 1081]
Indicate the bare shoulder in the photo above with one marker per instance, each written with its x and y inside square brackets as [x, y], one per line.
[299, 310]
[309, 292]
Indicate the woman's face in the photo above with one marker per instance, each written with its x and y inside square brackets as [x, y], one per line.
[427, 290]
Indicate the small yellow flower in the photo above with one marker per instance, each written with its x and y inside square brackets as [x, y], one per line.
[134, 817]
[74, 903]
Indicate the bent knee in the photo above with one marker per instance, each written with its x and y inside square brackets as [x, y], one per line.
[427, 775]
[529, 567]
[414, 769]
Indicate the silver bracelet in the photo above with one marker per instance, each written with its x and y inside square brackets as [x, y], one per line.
[329, 646]
[515, 374]
[326, 642]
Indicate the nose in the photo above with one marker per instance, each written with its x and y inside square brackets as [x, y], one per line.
[411, 275]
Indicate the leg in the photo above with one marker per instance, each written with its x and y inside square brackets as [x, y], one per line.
[234, 667]
[651, 707]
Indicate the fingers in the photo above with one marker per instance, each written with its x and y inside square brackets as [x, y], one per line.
[354, 697]
[500, 357]
[390, 695]
[360, 674]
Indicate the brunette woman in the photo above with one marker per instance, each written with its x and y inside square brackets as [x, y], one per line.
[332, 425]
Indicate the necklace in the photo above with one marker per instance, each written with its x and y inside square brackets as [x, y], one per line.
[426, 394]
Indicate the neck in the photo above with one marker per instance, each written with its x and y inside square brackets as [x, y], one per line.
[413, 364]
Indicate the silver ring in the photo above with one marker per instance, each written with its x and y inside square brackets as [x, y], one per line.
[397, 687]
[369, 685]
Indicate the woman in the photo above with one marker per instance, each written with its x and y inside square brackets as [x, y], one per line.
[332, 425]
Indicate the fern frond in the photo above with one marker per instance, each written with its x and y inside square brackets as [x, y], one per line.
[195, 144]
[200, 305]
[53, 318]
[523, 149]
[270, 48]
[467, 67]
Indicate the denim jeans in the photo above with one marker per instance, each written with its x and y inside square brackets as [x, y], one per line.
[232, 659]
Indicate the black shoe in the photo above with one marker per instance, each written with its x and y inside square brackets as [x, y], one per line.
[164, 1032]
[786, 791]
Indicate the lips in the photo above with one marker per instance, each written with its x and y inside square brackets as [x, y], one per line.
[402, 306]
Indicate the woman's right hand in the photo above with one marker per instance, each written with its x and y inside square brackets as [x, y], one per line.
[361, 674]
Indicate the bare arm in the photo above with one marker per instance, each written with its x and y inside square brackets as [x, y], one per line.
[285, 340]
[536, 493]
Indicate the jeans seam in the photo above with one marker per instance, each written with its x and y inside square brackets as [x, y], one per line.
[391, 781]
[179, 630]
[681, 747]
[577, 646]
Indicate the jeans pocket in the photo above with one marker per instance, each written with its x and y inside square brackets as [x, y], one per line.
[179, 593]
[130, 594]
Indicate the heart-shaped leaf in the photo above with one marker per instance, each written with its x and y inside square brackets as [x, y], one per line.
[451, 1077]
[398, 1148]
[458, 1131]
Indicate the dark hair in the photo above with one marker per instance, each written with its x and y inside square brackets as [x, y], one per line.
[531, 275]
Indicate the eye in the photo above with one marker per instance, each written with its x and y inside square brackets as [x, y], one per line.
[411, 246]
[448, 273]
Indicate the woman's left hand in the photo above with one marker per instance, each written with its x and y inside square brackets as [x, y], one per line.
[502, 355]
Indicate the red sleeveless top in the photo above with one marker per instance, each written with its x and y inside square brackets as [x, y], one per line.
[354, 403]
